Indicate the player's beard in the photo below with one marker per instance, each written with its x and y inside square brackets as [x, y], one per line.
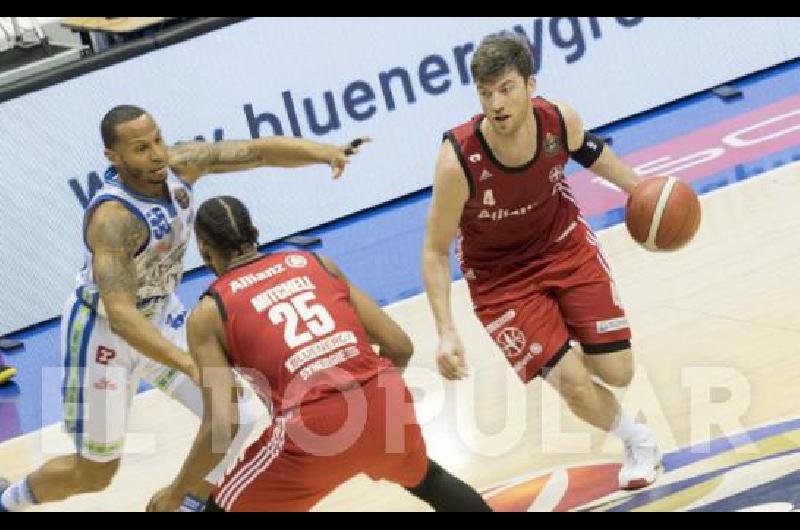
[142, 175]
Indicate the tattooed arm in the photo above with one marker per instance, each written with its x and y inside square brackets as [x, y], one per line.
[192, 161]
[115, 235]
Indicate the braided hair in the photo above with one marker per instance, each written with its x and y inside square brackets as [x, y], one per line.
[226, 223]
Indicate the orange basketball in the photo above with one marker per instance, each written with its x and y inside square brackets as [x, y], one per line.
[662, 213]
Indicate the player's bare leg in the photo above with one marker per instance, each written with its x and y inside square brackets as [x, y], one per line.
[58, 479]
[615, 369]
[597, 406]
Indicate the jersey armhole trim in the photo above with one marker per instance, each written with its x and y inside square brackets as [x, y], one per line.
[322, 264]
[564, 136]
[451, 137]
[135, 211]
[186, 184]
[217, 300]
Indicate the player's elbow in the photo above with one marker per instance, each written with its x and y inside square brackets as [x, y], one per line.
[432, 249]
[402, 349]
[118, 320]
[406, 350]
[433, 257]
[117, 325]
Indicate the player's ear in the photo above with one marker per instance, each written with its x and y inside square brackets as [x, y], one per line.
[112, 157]
[531, 85]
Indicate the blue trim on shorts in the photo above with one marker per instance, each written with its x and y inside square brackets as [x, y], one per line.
[87, 333]
[68, 352]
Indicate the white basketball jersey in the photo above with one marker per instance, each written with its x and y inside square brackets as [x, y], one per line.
[159, 261]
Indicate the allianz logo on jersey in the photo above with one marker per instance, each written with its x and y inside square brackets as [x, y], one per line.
[498, 214]
[247, 280]
[503, 213]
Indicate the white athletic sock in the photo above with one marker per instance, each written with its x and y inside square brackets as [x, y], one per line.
[17, 497]
[627, 429]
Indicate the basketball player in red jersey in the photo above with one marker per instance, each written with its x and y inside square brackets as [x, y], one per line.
[303, 334]
[535, 272]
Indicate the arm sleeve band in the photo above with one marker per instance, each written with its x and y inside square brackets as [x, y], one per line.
[591, 149]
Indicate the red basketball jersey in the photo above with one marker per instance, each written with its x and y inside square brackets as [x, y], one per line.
[514, 213]
[291, 322]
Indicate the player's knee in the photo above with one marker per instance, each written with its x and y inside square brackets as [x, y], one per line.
[93, 477]
[614, 369]
[620, 377]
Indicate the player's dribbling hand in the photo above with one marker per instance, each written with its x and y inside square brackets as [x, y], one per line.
[450, 358]
[339, 157]
[165, 500]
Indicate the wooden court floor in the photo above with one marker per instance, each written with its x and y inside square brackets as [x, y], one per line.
[716, 336]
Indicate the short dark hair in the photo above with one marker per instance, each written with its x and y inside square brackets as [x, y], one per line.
[117, 116]
[498, 52]
[226, 224]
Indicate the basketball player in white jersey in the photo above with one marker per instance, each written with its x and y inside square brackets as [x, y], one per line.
[124, 320]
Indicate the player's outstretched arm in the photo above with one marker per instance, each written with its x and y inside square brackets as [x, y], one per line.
[115, 235]
[193, 160]
[220, 412]
[593, 154]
